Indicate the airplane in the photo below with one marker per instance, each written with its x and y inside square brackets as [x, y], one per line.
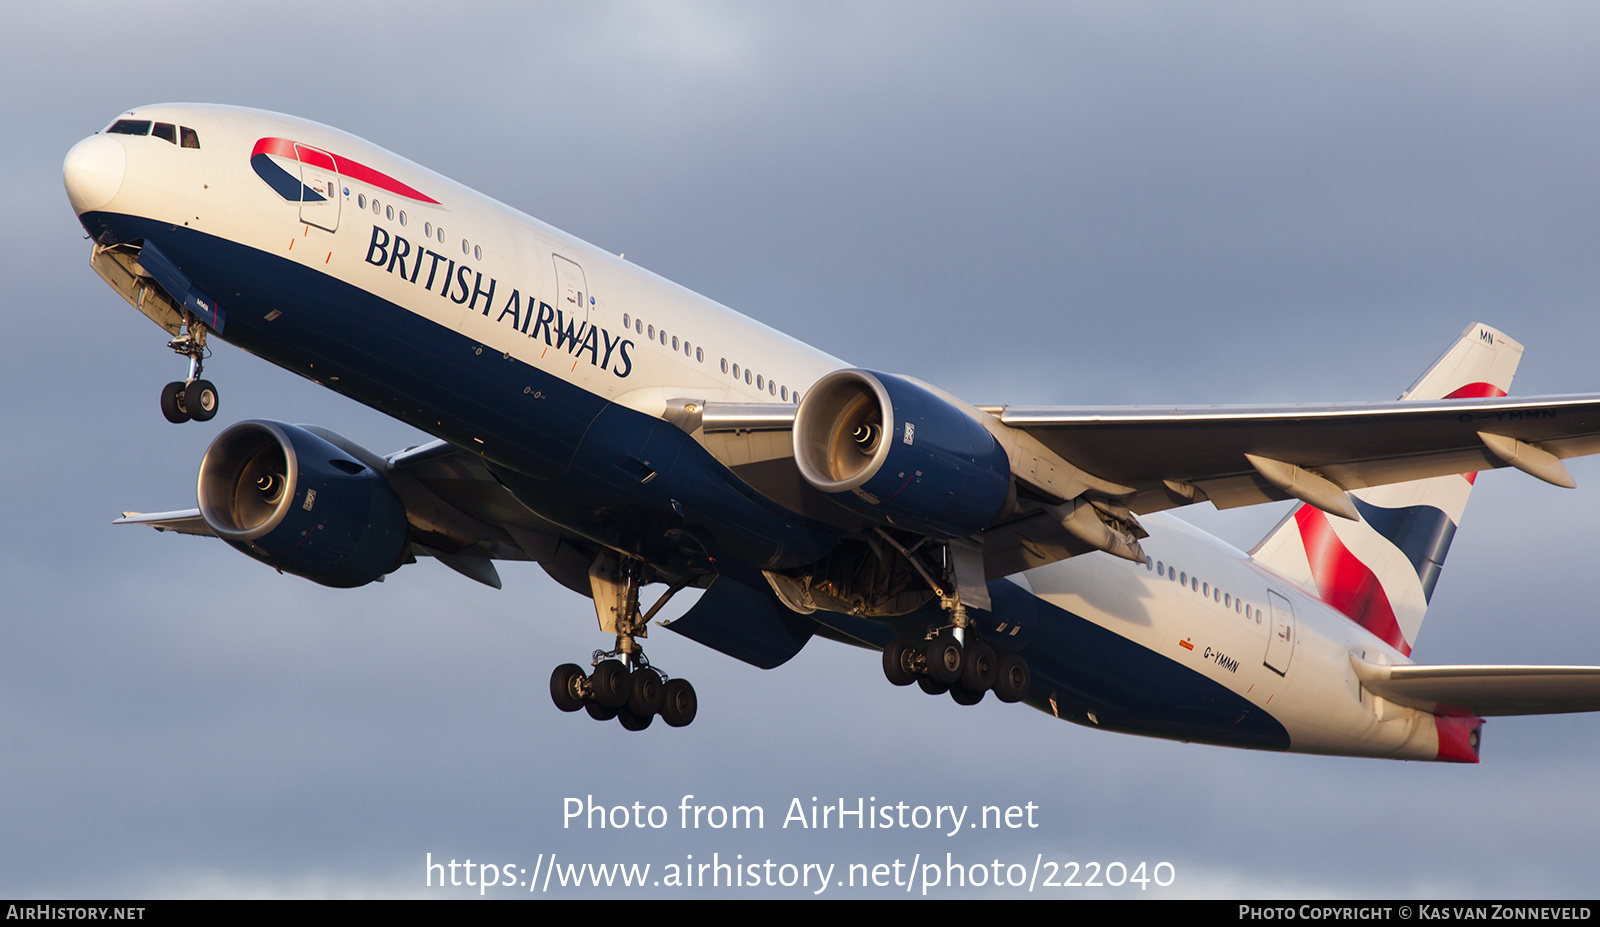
[623, 432]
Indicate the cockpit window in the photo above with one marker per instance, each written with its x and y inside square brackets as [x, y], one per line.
[191, 138]
[130, 127]
[166, 131]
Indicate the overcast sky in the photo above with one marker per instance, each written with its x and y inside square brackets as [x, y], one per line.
[1051, 203]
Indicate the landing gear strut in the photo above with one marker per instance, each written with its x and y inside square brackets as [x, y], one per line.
[953, 658]
[191, 397]
[623, 684]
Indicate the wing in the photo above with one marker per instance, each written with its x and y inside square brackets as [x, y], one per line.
[1160, 457]
[1485, 690]
[1162, 453]
[458, 512]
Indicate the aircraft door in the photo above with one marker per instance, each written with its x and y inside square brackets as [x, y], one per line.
[319, 188]
[572, 292]
[1280, 639]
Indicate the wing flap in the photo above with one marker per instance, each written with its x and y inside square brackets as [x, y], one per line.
[1488, 691]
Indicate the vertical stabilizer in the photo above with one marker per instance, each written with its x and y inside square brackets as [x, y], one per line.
[1380, 571]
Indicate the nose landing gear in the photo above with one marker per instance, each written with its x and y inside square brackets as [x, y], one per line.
[191, 398]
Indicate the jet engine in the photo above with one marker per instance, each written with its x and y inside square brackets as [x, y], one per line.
[889, 447]
[296, 502]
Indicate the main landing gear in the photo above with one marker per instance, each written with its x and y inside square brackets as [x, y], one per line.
[954, 658]
[623, 684]
[191, 397]
[630, 690]
[941, 663]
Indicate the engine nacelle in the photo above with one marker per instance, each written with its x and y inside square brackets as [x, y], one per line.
[890, 448]
[295, 502]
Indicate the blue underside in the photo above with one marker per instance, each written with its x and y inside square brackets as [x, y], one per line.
[581, 462]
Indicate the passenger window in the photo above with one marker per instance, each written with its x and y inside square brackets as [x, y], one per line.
[699, 355]
[663, 337]
[772, 387]
[736, 371]
[652, 330]
[724, 365]
[674, 342]
[361, 201]
[191, 138]
[427, 230]
[165, 131]
[130, 127]
[760, 383]
[626, 322]
[440, 234]
[783, 393]
[388, 212]
[747, 374]
[477, 253]
[402, 217]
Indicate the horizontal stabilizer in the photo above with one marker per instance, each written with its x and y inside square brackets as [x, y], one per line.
[1487, 691]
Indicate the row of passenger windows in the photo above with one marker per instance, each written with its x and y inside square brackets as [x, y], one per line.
[760, 382]
[649, 331]
[182, 136]
[1214, 593]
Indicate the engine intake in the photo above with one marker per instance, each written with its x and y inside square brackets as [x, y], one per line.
[298, 503]
[888, 446]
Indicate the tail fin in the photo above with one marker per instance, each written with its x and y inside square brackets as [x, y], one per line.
[1381, 570]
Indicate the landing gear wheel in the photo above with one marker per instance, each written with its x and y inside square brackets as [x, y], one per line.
[898, 661]
[610, 682]
[646, 694]
[964, 696]
[634, 722]
[932, 688]
[978, 668]
[172, 403]
[200, 398]
[943, 654]
[679, 707]
[564, 687]
[1011, 685]
[599, 712]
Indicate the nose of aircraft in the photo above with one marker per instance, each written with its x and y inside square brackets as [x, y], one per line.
[93, 172]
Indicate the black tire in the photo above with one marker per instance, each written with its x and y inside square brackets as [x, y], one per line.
[632, 721]
[932, 688]
[200, 398]
[564, 687]
[899, 661]
[610, 684]
[646, 694]
[172, 403]
[680, 705]
[965, 696]
[599, 712]
[943, 654]
[1011, 684]
[979, 667]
